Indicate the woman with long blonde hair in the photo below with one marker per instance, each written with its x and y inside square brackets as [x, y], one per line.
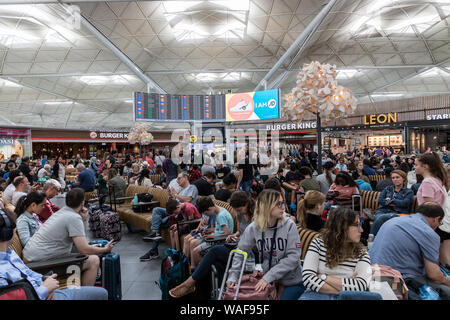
[278, 243]
[337, 266]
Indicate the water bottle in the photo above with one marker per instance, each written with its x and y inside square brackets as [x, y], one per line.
[135, 199]
[427, 293]
[370, 241]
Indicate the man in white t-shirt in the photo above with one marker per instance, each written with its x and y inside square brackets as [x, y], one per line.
[159, 159]
[21, 183]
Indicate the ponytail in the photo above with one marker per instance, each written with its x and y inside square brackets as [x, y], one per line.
[328, 177]
[311, 199]
[27, 200]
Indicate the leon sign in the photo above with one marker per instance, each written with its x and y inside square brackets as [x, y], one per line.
[381, 118]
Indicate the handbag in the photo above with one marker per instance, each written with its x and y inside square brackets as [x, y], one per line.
[143, 197]
[19, 290]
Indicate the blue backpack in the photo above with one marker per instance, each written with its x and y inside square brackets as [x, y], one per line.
[175, 269]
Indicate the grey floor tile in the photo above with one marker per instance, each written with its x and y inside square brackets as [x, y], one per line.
[126, 285]
[141, 290]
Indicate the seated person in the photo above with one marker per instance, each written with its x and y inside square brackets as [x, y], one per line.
[343, 187]
[117, 185]
[51, 188]
[45, 172]
[21, 183]
[2, 184]
[195, 173]
[309, 183]
[337, 266]
[10, 188]
[86, 179]
[410, 245]
[222, 171]
[367, 168]
[180, 212]
[393, 200]
[205, 185]
[363, 183]
[13, 269]
[144, 178]
[386, 182]
[160, 217]
[218, 255]
[310, 210]
[224, 226]
[27, 211]
[61, 231]
[229, 186]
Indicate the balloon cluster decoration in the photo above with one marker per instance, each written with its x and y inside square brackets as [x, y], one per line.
[140, 135]
[317, 90]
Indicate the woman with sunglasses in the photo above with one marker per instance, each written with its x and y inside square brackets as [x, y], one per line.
[278, 243]
[337, 266]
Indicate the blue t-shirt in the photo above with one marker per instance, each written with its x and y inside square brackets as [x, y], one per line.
[363, 186]
[44, 161]
[402, 244]
[223, 218]
[368, 171]
[87, 180]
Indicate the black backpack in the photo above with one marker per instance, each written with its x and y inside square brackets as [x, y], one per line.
[143, 197]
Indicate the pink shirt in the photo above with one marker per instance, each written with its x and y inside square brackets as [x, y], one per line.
[429, 189]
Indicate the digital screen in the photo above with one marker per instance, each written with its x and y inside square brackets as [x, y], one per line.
[155, 106]
[259, 105]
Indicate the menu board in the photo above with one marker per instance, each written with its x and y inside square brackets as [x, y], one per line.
[395, 140]
[153, 106]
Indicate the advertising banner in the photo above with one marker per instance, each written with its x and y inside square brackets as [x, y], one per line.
[14, 141]
[258, 105]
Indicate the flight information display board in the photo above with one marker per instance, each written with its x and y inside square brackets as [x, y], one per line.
[155, 106]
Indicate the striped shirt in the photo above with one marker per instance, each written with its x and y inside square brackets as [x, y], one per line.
[314, 264]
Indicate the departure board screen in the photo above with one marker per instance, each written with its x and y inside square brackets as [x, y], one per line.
[155, 106]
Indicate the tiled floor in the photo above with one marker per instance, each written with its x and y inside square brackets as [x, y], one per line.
[138, 278]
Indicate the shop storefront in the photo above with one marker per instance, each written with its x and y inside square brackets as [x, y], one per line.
[14, 141]
[69, 143]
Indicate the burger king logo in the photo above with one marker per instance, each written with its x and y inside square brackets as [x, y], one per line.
[93, 135]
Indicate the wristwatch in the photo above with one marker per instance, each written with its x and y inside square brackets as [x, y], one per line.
[323, 277]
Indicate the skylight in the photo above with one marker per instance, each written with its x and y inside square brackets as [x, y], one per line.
[103, 80]
[192, 20]
[346, 73]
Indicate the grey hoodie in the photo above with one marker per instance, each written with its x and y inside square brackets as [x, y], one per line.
[286, 266]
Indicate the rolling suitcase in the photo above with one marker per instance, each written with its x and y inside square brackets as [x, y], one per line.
[356, 203]
[224, 280]
[110, 276]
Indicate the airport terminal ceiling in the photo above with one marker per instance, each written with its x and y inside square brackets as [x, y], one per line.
[76, 64]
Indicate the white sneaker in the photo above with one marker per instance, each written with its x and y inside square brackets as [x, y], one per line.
[241, 106]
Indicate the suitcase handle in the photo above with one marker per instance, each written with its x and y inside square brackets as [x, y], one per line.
[225, 276]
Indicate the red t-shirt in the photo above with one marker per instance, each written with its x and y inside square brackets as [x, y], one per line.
[47, 211]
[190, 212]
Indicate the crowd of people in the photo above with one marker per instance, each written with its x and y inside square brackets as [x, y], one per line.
[268, 204]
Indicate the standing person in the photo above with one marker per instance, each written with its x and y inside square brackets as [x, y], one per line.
[222, 171]
[151, 163]
[159, 159]
[326, 179]
[337, 266]
[117, 185]
[12, 160]
[310, 211]
[170, 169]
[24, 167]
[435, 179]
[59, 171]
[246, 175]
[194, 173]
[224, 194]
[393, 200]
[93, 165]
[27, 210]
[313, 156]
[270, 228]
[410, 245]
[134, 174]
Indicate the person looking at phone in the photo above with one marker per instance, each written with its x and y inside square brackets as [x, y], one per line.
[224, 227]
[393, 200]
[22, 185]
[13, 269]
[61, 231]
[218, 255]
